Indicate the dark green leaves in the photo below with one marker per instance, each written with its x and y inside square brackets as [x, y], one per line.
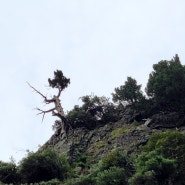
[130, 92]
[166, 84]
[59, 81]
[42, 166]
[94, 110]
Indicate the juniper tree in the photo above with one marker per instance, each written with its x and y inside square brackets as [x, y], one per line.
[60, 82]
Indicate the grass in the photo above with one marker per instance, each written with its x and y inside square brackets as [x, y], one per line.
[100, 144]
[118, 132]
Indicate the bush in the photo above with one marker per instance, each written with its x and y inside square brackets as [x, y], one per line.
[152, 168]
[116, 158]
[81, 159]
[112, 176]
[8, 172]
[42, 166]
[171, 145]
[148, 178]
[82, 180]
[94, 110]
[79, 117]
[51, 182]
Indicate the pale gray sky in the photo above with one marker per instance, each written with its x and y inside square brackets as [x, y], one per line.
[96, 43]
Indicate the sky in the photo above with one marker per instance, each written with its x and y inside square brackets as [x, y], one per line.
[96, 43]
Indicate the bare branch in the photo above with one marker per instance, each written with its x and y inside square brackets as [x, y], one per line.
[37, 91]
[47, 101]
[44, 112]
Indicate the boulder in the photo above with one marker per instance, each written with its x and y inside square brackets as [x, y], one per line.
[167, 120]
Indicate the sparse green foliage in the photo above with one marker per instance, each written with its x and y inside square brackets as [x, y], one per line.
[118, 132]
[100, 144]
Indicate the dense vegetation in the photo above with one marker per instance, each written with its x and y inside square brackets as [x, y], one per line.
[161, 160]
[164, 92]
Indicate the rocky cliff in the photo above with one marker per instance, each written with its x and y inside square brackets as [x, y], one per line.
[129, 133]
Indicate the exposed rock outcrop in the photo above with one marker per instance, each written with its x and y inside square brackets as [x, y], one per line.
[167, 120]
[128, 134]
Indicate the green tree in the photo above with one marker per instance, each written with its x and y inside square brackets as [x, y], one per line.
[94, 110]
[100, 107]
[171, 145]
[44, 166]
[59, 81]
[78, 117]
[166, 84]
[153, 169]
[130, 92]
[8, 172]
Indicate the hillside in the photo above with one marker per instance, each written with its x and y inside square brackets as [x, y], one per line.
[86, 148]
[127, 134]
[135, 139]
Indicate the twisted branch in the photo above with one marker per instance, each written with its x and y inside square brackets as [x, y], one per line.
[44, 112]
[47, 101]
[37, 91]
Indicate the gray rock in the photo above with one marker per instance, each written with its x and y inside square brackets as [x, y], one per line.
[167, 120]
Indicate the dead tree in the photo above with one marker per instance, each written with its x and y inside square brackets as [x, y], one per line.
[60, 82]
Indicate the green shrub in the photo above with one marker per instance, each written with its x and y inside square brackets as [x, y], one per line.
[115, 158]
[148, 178]
[81, 159]
[152, 168]
[85, 180]
[170, 144]
[94, 111]
[82, 180]
[112, 176]
[42, 166]
[78, 117]
[8, 172]
[51, 182]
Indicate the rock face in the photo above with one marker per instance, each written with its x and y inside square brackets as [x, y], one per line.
[100, 141]
[167, 120]
[130, 115]
[127, 134]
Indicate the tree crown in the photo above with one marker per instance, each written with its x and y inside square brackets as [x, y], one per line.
[59, 81]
